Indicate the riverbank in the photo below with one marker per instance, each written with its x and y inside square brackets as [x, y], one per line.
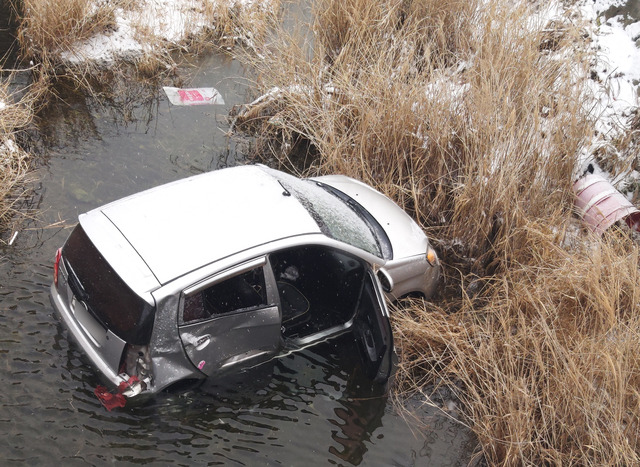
[12, 159]
[476, 117]
[17, 110]
[82, 35]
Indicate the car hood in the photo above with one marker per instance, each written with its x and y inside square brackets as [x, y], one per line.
[407, 238]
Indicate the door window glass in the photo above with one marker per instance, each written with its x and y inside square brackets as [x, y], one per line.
[241, 292]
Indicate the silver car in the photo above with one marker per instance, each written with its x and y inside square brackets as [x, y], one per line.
[224, 270]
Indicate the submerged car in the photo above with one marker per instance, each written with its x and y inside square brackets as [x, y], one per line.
[227, 269]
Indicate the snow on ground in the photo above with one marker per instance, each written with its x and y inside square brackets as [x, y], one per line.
[618, 65]
[136, 30]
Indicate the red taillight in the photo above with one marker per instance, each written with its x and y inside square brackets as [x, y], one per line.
[56, 266]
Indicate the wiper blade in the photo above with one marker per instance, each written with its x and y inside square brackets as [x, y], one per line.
[286, 192]
[76, 286]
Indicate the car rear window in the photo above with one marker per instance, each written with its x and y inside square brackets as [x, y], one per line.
[108, 298]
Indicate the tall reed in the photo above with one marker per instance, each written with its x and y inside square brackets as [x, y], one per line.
[471, 115]
[16, 113]
[546, 365]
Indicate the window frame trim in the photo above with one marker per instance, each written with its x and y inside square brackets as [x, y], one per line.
[223, 275]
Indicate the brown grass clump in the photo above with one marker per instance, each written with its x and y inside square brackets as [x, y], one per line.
[15, 114]
[219, 24]
[471, 117]
[50, 29]
[52, 26]
[548, 366]
[13, 167]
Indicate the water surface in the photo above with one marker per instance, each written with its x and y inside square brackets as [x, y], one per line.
[312, 407]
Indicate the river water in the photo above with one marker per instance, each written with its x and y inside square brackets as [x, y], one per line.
[310, 408]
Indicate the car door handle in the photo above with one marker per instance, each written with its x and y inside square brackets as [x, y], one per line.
[202, 341]
[369, 345]
[198, 342]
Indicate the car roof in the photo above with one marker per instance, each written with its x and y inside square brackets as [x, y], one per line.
[181, 226]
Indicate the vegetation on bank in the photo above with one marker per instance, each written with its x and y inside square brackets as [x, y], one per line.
[64, 39]
[13, 165]
[471, 115]
[17, 109]
[77, 38]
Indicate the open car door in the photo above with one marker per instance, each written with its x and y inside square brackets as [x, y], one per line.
[372, 330]
[324, 292]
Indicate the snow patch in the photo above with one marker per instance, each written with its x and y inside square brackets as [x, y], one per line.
[135, 31]
[617, 68]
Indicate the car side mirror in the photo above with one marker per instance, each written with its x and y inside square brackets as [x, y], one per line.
[385, 280]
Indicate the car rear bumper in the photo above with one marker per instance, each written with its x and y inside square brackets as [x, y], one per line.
[97, 343]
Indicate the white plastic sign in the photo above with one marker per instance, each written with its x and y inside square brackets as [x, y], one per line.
[194, 96]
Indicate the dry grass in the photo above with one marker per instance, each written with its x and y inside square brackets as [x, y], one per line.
[471, 118]
[50, 29]
[447, 139]
[52, 26]
[548, 364]
[16, 113]
[13, 167]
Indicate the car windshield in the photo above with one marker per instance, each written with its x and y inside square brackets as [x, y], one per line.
[374, 225]
[334, 217]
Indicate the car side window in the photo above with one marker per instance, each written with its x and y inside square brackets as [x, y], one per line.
[237, 293]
